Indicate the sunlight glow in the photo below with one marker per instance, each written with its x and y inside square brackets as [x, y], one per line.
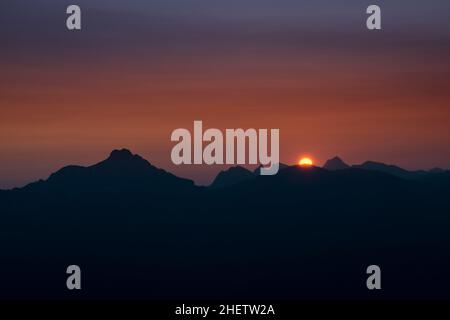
[305, 162]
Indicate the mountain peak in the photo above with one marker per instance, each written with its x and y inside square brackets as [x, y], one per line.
[122, 171]
[122, 154]
[335, 163]
[232, 176]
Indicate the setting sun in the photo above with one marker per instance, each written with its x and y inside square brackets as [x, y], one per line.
[305, 162]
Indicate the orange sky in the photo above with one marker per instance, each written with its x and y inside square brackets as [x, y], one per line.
[383, 98]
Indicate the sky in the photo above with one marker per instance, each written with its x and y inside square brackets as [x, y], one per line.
[140, 69]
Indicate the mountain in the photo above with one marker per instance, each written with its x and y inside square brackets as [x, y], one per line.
[122, 171]
[437, 170]
[305, 182]
[335, 163]
[390, 169]
[305, 233]
[232, 176]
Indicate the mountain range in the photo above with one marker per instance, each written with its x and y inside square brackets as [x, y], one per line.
[123, 171]
[337, 163]
[307, 232]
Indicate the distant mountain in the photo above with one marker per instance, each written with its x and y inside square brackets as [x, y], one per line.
[317, 181]
[335, 163]
[391, 169]
[232, 176]
[437, 170]
[121, 171]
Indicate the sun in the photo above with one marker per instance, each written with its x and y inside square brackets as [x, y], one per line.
[305, 162]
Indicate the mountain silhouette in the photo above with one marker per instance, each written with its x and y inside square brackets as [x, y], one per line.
[391, 169]
[231, 176]
[120, 172]
[314, 181]
[237, 174]
[305, 233]
[335, 163]
[437, 170]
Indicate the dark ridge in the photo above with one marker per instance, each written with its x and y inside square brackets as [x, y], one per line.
[391, 169]
[335, 163]
[120, 172]
[232, 176]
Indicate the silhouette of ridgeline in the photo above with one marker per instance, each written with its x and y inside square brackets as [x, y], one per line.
[307, 232]
[123, 171]
[120, 172]
[335, 163]
[436, 175]
[231, 177]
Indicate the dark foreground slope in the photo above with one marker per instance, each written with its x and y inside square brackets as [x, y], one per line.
[304, 233]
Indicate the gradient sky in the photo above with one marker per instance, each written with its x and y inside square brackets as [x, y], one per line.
[140, 69]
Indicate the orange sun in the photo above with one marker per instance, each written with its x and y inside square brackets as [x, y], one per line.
[305, 162]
